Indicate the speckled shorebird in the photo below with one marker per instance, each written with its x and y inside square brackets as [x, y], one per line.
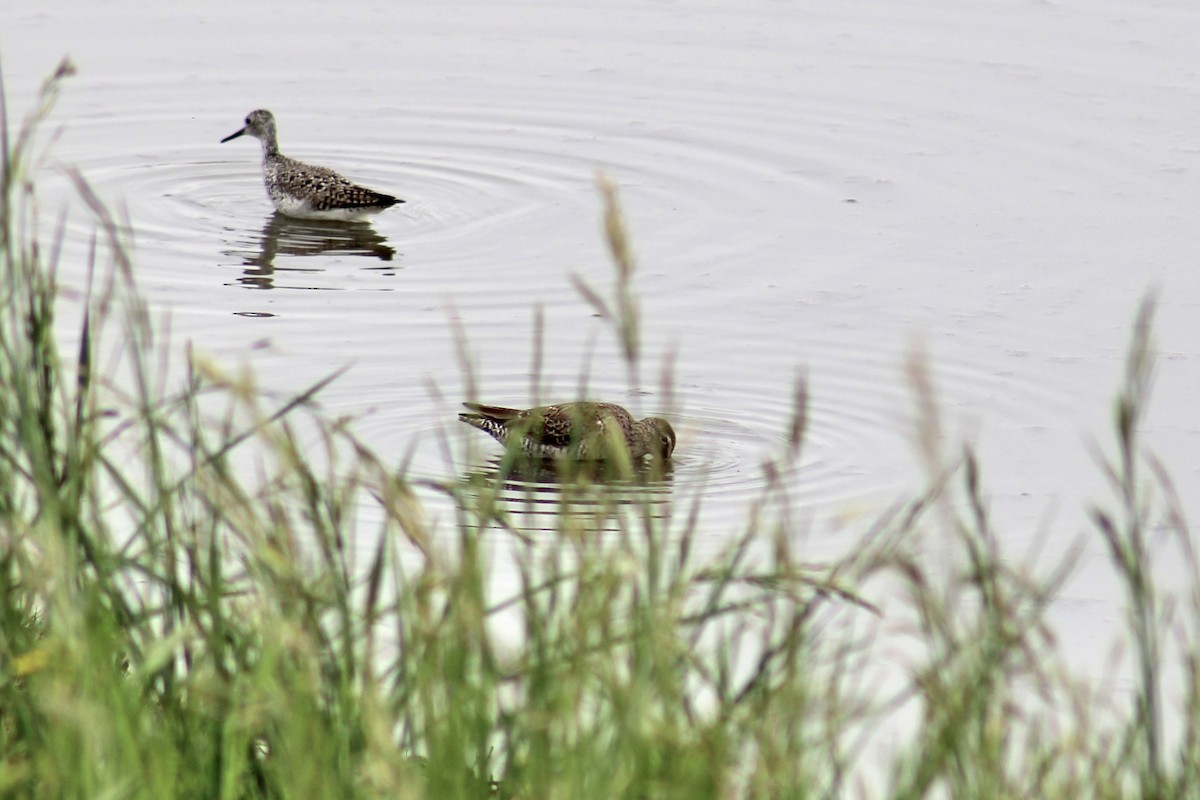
[303, 190]
[583, 430]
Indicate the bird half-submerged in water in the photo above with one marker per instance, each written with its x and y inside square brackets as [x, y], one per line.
[306, 191]
[583, 430]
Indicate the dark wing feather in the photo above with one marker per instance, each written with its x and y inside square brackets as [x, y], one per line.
[328, 188]
[553, 426]
[495, 412]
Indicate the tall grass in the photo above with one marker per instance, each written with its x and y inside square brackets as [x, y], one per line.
[193, 603]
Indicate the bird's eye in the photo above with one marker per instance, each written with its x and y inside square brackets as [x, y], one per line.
[247, 120]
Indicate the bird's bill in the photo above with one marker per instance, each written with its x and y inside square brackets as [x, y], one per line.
[233, 136]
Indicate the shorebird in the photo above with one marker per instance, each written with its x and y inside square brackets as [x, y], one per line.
[306, 191]
[583, 430]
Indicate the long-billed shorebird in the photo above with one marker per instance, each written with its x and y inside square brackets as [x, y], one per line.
[583, 430]
[306, 191]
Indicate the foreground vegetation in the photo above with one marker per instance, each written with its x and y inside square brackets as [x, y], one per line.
[193, 603]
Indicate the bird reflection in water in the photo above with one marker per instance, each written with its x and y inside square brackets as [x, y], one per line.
[287, 236]
[533, 493]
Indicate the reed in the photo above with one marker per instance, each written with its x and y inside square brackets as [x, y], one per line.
[208, 593]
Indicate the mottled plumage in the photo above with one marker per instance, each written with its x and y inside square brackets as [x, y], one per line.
[306, 191]
[582, 430]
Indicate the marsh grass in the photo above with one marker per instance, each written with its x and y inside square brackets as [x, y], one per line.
[192, 603]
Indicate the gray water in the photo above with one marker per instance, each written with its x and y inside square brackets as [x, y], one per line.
[811, 190]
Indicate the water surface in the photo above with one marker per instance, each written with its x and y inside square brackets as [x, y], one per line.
[811, 191]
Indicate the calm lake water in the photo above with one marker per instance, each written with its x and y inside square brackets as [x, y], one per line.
[811, 189]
